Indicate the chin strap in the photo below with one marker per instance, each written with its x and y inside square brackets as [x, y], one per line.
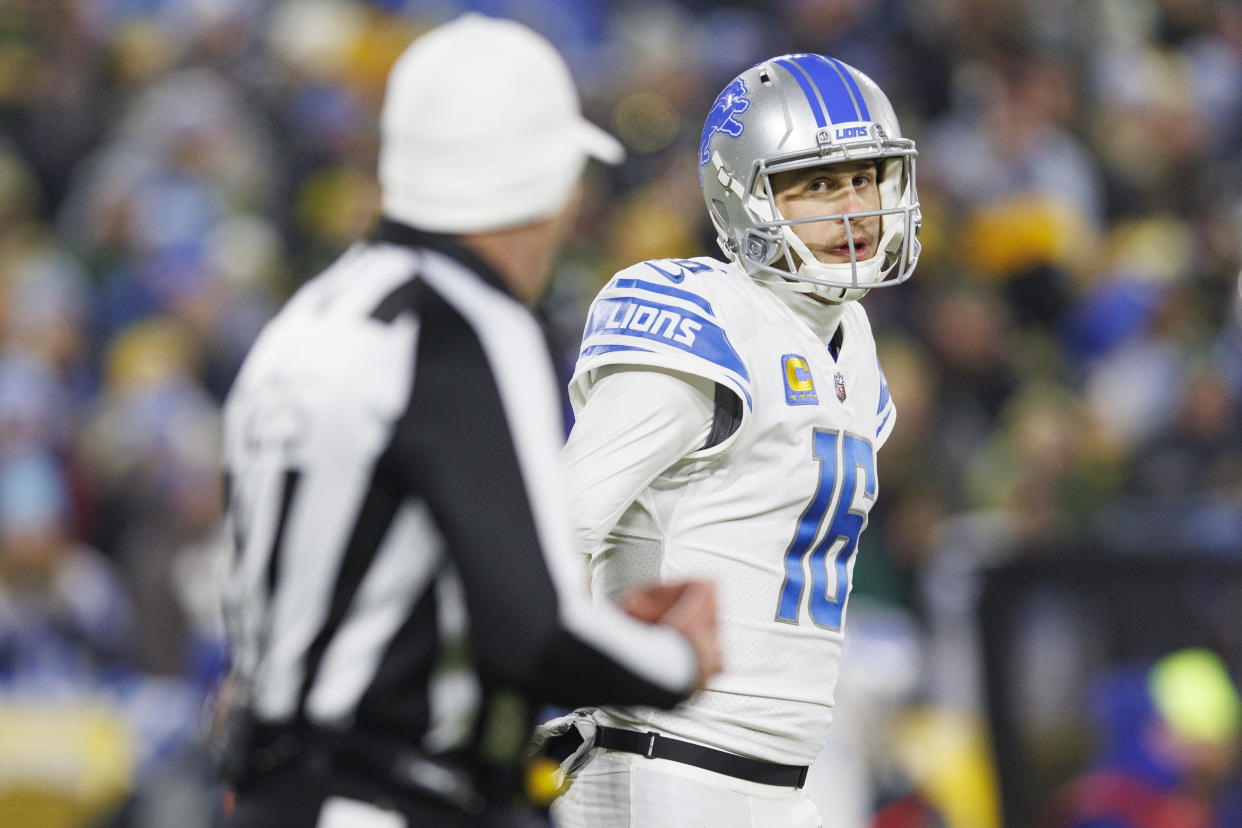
[835, 295]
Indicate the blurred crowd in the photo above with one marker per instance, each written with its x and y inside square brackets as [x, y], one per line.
[1066, 363]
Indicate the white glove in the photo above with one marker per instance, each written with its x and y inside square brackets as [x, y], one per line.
[581, 720]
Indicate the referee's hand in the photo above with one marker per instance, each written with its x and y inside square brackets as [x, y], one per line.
[688, 607]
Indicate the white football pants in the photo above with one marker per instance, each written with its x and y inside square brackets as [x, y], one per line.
[625, 790]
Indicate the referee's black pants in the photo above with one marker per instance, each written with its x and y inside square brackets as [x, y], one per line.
[293, 798]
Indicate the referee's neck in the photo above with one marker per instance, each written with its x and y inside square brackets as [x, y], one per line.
[523, 256]
[516, 259]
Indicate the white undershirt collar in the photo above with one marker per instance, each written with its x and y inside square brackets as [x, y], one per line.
[821, 318]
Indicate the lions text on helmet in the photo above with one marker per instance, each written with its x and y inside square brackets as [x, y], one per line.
[807, 178]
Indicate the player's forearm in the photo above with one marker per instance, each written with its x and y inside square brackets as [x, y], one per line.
[602, 658]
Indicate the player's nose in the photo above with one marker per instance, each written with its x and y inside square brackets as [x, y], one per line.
[854, 200]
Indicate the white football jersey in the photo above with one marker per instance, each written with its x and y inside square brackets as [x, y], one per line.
[772, 514]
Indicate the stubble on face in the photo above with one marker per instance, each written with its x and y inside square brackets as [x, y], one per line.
[832, 189]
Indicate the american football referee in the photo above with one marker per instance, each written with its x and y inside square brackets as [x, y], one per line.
[403, 591]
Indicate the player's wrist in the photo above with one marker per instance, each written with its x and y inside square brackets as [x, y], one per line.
[694, 616]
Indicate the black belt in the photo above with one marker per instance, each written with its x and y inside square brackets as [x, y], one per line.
[655, 746]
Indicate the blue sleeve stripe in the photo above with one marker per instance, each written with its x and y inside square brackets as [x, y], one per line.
[884, 422]
[653, 287]
[595, 350]
[860, 104]
[811, 98]
[827, 80]
[608, 349]
[670, 327]
[884, 396]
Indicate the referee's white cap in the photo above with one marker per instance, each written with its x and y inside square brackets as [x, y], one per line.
[481, 129]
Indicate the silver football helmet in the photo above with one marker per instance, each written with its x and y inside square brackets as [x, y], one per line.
[796, 111]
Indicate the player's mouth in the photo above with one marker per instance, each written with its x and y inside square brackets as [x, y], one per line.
[862, 249]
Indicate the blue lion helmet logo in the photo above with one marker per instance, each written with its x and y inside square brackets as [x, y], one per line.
[723, 117]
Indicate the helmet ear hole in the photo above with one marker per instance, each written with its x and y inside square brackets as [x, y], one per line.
[758, 248]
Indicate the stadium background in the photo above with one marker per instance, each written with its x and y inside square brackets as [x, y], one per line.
[1062, 497]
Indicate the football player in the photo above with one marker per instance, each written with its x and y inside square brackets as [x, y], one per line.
[728, 415]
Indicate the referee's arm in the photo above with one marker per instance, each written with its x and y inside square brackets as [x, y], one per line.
[459, 452]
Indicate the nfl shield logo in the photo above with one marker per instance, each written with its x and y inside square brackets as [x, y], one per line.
[839, 381]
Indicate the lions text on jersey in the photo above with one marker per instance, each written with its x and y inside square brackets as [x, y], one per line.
[772, 513]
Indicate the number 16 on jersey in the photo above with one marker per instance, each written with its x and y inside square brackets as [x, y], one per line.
[846, 464]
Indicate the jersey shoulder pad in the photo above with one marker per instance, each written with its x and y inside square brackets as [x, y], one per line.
[885, 411]
[663, 313]
[859, 323]
[694, 275]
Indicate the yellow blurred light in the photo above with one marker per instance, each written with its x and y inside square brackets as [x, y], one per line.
[1159, 248]
[20, 66]
[544, 781]
[62, 765]
[337, 203]
[150, 353]
[646, 121]
[1193, 691]
[1003, 239]
[141, 51]
[646, 228]
[945, 753]
[315, 37]
[373, 50]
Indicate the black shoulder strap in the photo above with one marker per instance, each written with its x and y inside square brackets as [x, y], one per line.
[727, 418]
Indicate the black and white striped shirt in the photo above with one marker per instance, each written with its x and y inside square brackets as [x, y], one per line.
[395, 496]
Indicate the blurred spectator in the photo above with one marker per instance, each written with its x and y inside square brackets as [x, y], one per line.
[35, 412]
[1046, 467]
[152, 447]
[1199, 451]
[1169, 747]
[67, 683]
[65, 611]
[65, 622]
[965, 331]
[1006, 137]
